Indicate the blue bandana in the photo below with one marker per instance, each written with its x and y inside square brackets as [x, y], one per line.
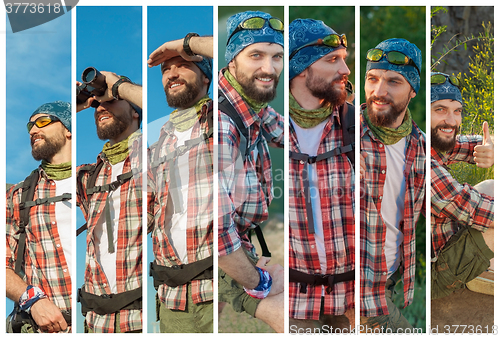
[445, 91]
[58, 109]
[247, 37]
[205, 66]
[408, 71]
[302, 32]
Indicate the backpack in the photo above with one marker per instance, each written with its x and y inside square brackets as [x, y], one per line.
[347, 116]
[246, 150]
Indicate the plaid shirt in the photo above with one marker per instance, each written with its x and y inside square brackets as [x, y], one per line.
[242, 197]
[336, 191]
[373, 273]
[129, 241]
[44, 263]
[452, 204]
[199, 228]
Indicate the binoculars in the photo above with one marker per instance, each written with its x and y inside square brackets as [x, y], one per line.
[93, 83]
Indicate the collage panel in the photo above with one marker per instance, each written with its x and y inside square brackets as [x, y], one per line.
[462, 157]
[392, 179]
[109, 173]
[321, 169]
[180, 170]
[250, 169]
[39, 253]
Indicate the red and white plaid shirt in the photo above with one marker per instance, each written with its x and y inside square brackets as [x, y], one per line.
[454, 205]
[129, 240]
[374, 272]
[242, 198]
[336, 192]
[199, 228]
[45, 265]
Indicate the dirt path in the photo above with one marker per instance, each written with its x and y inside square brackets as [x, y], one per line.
[464, 308]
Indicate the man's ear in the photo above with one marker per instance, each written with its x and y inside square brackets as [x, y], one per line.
[206, 80]
[413, 93]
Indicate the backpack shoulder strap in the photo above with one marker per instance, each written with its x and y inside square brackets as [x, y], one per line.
[347, 120]
[28, 193]
[226, 107]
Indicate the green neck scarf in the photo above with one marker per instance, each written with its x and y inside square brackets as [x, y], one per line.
[390, 136]
[307, 118]
[119, 151]
[185, 119]
[57, 171]
[254, 105]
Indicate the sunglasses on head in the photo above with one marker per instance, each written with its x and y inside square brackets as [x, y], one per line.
[332, 40]
[257, 23]
[42, 122]
[393, 57]
[438, 79]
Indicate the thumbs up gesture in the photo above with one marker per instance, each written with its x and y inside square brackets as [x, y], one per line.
[484, 154]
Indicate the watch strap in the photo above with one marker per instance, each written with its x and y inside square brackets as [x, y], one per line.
[114, 89]
[185, 45]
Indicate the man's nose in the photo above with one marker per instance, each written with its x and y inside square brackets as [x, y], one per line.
[268, 66]
[380, 89]
[344, 70]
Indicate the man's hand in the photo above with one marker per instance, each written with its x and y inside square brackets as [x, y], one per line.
[111, 78]
[277, 273]
[86, 104]
[362, 164]
[484, 154]
[48, 316]
[169, 50]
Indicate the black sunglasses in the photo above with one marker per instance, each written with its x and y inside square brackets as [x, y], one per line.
[257, 23]
[393, 57]
[332, 40]
[42, 122]
[438, 79]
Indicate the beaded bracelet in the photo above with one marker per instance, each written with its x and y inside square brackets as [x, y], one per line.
[29, 297]
[264, 287]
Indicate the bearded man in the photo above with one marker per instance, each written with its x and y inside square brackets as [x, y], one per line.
[321, 220]
[38, 228]
[247, 124]
[109, 193]
[461, 214]
[180, 187]
[393, 183]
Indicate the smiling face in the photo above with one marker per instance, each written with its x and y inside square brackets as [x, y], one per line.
[387, 97]
[47, 141]
[113, 119]
[327, 77]
[184, 83]
[257, 69]
[446, 117]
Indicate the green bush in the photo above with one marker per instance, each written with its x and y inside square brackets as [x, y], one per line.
[478, 97]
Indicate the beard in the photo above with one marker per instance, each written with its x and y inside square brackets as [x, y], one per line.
[186, 97]
[119, 125]
[324, 90]
[46, 149]
[252, 91]
[440, 144]
[389, 117]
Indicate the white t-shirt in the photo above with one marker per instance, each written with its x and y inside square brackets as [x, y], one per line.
[108, 260]
[394, 196]
[177, 233]
[63, 219]
[309, 140]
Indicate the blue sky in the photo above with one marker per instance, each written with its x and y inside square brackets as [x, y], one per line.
[109, 39]
[38, 70]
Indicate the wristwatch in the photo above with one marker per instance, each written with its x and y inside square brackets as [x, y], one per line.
[185, 46]
[114, 89]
